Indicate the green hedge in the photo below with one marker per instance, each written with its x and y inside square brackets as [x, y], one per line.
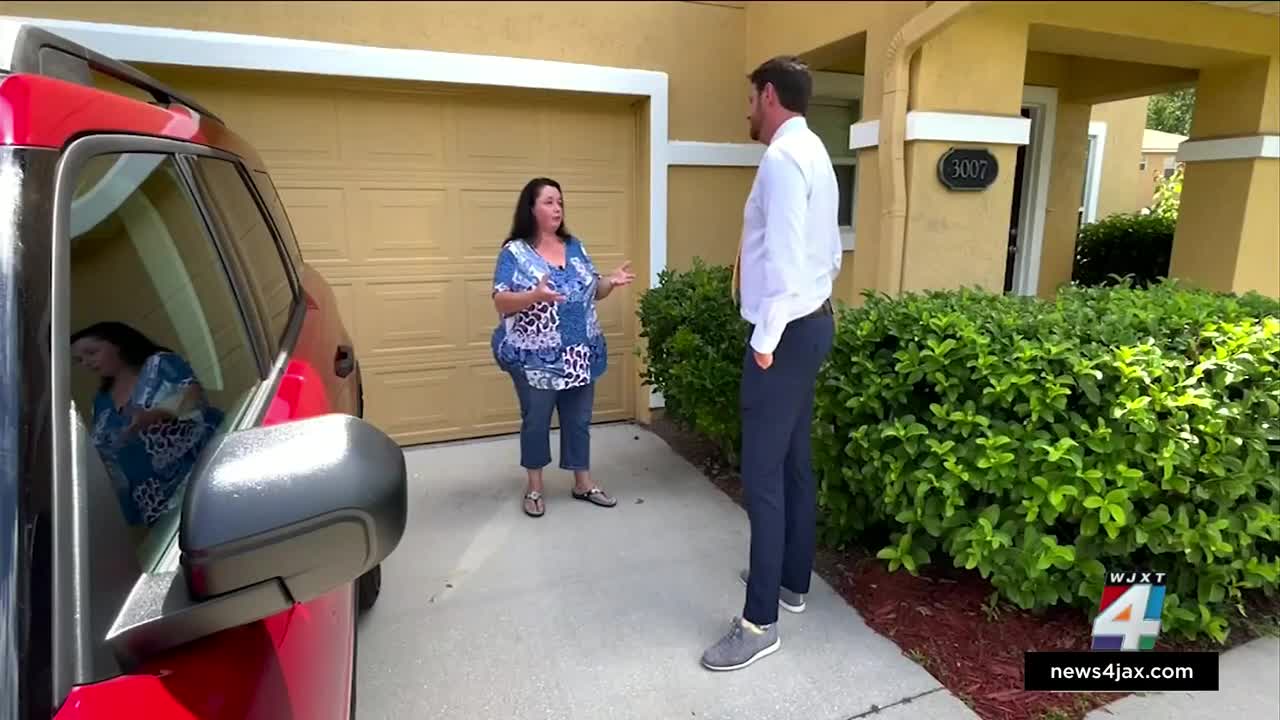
[1133, 247]
[1037, 442]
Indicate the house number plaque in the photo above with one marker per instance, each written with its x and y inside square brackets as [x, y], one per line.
[968, 169]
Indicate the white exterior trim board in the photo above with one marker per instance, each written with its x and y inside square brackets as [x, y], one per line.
[865, 134]
[958, 127]
[1252, 147]
[948, 127]
[708, 154]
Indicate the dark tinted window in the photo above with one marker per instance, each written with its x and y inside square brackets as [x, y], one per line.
[267, 190]
[163, 361]
[266, 268]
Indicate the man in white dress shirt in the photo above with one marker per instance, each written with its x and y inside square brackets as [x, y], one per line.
[789, 257]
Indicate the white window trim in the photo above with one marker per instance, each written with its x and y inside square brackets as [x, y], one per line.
[834, 88]
[1093, 171]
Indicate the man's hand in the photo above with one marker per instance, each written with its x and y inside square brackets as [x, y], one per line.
[764, 360]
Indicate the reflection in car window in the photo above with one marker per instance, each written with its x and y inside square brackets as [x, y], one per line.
[240, 213]
[267, 190]
[163, 361]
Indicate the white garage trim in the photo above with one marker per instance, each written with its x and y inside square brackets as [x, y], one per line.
[171, 46]
[194, 48]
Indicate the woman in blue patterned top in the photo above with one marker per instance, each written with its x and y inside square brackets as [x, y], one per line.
[548, 338]
[150, 417]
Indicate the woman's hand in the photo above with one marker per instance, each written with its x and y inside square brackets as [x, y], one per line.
[618, 278]
[143, 419]
[622, 276]
[509, 303]
[544, 293]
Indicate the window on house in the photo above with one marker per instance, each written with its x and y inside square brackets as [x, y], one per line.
[830, 119]
[1142, 164]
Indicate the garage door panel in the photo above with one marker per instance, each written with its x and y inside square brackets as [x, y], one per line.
[613, 396]
[403, 223]
[319, 219]
[612, 315]
[401, 194]
[482, 317]
[485, 219]
[600, 140]
[257, 115]
[387, 130]
[417, 316]
[494, 400]
[417, 404]
[600, 219]
[497, 136]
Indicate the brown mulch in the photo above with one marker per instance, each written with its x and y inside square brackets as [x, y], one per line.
[944, 618]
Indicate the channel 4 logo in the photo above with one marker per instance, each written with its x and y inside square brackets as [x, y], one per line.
[1129, 612]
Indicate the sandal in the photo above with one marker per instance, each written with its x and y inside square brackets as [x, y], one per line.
[533, 505]
[595, 496]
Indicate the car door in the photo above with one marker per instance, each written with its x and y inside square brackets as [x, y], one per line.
[181, 330]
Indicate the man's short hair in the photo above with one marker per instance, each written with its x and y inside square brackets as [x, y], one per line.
[790, 78]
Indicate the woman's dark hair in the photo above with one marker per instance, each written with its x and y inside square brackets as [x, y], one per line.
[134, 347]
[524, 226]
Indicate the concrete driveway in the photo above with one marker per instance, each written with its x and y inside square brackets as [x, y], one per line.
[597, 613]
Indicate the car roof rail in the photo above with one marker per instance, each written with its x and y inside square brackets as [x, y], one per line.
[38, 51]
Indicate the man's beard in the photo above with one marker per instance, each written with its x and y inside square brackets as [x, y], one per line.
[755, 131]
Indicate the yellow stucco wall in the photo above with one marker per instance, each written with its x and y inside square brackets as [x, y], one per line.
[1119, 183]
[700, 46]
[704, 209]
[960, 239]
[1228, 235]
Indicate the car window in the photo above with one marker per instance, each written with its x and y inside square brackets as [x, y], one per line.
[162, 358]
[268, 273]
[275, 206]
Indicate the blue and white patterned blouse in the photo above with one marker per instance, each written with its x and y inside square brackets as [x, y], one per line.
[150, 467]
[558, 346]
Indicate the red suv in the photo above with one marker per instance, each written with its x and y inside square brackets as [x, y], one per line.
[192, 513]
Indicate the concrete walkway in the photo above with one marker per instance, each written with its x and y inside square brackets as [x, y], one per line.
[597, 613]
[1248, 688]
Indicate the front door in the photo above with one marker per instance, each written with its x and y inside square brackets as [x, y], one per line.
[1018, 212]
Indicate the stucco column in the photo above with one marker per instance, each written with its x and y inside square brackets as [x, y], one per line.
[960, 239]
[1070, 153]
[1228, 235]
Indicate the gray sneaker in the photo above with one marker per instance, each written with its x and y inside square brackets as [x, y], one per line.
[791, 601]
[741, 647]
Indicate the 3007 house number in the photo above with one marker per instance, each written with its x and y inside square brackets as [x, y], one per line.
[968, 169]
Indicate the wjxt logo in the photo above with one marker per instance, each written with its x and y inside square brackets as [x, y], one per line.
[1129, 611]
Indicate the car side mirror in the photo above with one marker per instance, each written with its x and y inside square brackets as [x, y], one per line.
[313, 504]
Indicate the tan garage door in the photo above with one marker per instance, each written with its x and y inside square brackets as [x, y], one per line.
[401, 194]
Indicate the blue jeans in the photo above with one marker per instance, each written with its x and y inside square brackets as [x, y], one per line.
[574, 407]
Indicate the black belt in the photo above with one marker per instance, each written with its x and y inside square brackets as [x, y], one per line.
[825, 309]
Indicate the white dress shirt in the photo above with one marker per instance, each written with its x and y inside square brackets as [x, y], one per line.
[791, 249]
